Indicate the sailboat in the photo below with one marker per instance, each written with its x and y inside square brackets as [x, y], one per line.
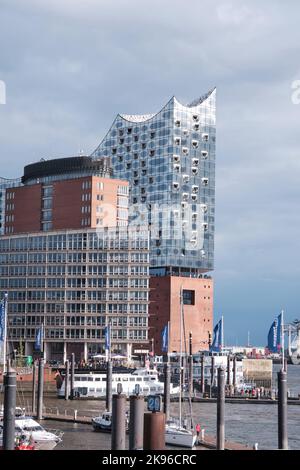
[176, 433]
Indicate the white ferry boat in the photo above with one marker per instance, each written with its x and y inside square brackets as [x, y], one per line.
[93, 385]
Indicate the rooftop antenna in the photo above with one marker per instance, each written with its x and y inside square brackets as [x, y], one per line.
[248, 339]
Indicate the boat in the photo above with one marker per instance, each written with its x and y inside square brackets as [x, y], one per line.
[178, 435]
[29, 430]
[93, 385]
[103, 422]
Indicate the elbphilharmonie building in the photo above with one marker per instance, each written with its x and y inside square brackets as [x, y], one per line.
[169, 160]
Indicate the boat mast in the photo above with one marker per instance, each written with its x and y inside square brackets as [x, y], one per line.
[5, 332]
[180, 357]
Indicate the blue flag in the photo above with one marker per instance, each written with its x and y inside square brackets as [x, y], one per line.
[272, 337]
[107, 337]
[217, 341]
[39, 338]
[2, 319]
[165, 339]
[279, 333]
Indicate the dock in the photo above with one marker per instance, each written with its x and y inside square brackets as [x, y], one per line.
[208, 443]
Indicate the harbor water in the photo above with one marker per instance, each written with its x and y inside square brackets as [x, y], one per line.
[244, 423]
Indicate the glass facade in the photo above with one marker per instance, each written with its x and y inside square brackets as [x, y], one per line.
[76, 282]
[169, 160]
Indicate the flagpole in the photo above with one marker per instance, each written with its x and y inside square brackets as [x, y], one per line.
[5, 332]
[222, 336]
[282, 339]
[42, 340]
[180, 356]
[168, 356]
[109, 350]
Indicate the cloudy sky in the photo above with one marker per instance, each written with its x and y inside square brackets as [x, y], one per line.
[70, 66]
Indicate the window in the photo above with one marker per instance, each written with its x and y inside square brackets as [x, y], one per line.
[188, 297]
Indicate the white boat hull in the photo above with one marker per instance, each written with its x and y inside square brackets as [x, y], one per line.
[176, 437]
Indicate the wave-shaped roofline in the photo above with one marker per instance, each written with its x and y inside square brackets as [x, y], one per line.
[134, 118]
[147, 117]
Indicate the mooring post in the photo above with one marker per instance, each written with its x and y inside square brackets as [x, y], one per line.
[282, 411]
[33, 400]
[72, 396]
[228, 370]
[202, 375]
[108, 385]
[167, 382]
[67, 380]
[136, 422]
[154, 431]
[10, 387]
[212, 375]
[191, 366]
[118, 422]
[40, 389]
[221, 409]
[234, 373]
